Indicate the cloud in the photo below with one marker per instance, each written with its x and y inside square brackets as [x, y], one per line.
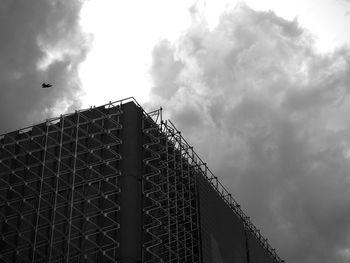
[41, 42]
[270, 116]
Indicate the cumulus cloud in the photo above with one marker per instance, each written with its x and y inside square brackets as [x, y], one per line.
[270, 115]
[41, 41]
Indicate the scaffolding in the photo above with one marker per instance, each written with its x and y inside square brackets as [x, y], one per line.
[61, 186]
[171, 171]
[201, 169]
[171, 225]
[59, 189]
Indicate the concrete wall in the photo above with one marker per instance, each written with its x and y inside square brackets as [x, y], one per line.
[224, 239]
[223, 236]
[257, 253]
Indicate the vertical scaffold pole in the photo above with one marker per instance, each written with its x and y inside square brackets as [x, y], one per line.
[51, 245]
[73, 187]
[40, 192]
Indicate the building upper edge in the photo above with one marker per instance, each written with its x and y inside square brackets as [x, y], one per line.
[53, 119]
[188, 149]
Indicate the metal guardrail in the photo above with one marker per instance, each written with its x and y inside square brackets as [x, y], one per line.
[188, 151]
[224, 193]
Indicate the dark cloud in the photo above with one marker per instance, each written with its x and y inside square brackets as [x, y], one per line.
[270, 115]
[41, 41]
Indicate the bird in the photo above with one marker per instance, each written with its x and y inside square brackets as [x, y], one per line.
[46, 85]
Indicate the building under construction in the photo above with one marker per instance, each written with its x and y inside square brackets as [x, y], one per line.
[116, 184]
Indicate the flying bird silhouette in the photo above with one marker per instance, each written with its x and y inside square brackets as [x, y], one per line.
[46, 85]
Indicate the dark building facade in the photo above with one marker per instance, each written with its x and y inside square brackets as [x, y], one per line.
[116, 184]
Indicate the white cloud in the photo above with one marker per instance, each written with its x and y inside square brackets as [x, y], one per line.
[270, 115]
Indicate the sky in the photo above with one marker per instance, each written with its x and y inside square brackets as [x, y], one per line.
[259, 88]
[41, 41]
